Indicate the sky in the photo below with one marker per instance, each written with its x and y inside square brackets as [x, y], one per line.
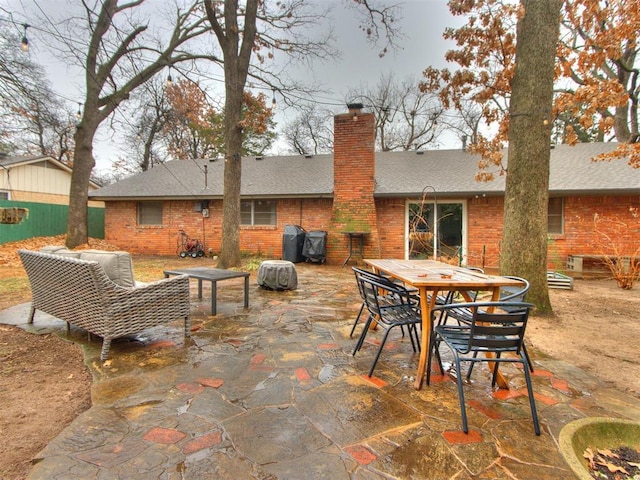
[422, 24]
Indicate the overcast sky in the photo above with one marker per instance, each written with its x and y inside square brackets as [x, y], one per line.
[422, 23]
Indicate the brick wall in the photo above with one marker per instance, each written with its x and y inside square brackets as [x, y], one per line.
[484, 231]
[391, 218]
[122, 229]
[484, 225]
[619, 219]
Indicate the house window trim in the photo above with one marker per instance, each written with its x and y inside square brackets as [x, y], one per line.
[273, 219]
[559, 214]
[465, 227]
[149, 203]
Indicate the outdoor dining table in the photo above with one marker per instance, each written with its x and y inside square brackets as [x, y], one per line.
[431, 277]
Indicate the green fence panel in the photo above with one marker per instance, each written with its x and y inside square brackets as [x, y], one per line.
[95, 222]
[46, 220]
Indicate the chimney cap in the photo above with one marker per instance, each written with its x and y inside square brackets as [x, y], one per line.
[355, 106]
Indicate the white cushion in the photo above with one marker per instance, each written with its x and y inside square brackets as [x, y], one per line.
[117, 265]
[62, 251]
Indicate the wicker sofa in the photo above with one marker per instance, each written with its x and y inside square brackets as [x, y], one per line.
[74, 286]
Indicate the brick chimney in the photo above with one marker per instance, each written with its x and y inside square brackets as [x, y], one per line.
[354, 208]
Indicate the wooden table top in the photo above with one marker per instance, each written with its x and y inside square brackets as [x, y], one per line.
[434, 274]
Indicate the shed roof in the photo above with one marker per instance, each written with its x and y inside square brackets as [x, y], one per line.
[398, 174]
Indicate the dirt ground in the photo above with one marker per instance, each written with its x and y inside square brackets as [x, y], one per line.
[44, 383]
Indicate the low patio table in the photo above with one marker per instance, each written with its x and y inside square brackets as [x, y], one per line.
[213, 275]
[431, 277]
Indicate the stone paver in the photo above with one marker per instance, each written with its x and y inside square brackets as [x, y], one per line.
[273, 392]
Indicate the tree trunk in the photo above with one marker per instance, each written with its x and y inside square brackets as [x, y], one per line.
[237, 56]
[230, 249]
[77, 227]
[524, 243]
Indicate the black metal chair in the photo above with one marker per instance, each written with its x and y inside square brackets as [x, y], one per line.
[415, 299]
[517, 294]
[389, 305]
[510, 293]
[495, 327]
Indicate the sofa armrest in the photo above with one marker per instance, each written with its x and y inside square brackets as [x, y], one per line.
[133, 309]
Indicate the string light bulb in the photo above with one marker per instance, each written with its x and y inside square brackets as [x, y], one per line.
[79, 112]
[24, 44]
[169, 79]
[273, 100]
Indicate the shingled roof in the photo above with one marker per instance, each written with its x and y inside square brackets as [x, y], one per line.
[398, 174]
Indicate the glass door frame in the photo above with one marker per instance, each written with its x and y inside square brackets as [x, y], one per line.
[439, 202]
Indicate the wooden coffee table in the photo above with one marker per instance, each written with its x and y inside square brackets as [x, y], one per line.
[213, 275]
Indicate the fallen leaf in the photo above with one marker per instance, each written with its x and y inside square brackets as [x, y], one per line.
[607, 453]
[589, 455]
[613, 468]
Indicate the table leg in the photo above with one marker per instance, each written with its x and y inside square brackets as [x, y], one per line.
[214, 297]
[246, 292]
[500, 379]
[199, 288]
[426, 305]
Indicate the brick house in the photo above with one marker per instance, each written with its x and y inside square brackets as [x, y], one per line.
[391, 196]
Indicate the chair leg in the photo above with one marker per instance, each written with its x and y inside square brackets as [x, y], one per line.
[413, 336]
[353, 329]
[375, 360]
[532, 401]
[433, 350]
[463, 409]
[187, 326]
[494, 374]
[526, 354]
[362, 336]
[106, 344]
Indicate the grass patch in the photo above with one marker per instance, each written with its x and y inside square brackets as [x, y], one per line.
[14, 291]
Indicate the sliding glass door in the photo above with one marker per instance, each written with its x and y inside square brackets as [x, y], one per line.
[445, 235]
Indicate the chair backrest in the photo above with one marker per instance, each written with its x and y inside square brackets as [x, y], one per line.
[379, 292]
[517, 293]
[374, 276]
[498, 326]
[492, 327]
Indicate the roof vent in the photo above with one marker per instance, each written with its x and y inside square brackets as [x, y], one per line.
[308, 155]
[419, 152]
[259, 157]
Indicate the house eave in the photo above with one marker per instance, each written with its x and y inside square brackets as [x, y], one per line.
[207, 196]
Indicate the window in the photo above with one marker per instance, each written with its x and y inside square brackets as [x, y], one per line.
[422, 229]
[4, 195]
[555, 216]
[258, 212]
[149, 213]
